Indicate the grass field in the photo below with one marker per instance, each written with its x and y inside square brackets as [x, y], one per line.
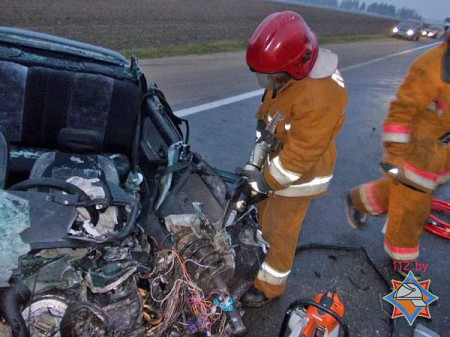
[167, 27]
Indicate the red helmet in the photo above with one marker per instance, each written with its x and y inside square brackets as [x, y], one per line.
[283, 42]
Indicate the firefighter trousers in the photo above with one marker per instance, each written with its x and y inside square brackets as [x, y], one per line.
[407, 211]
[280, 219]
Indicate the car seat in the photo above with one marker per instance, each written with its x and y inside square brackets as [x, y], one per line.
[40, 106]
[76, 156]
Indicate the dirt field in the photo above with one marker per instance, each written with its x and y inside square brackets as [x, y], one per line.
[123, 24]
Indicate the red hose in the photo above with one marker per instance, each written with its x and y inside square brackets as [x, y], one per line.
[435, 225]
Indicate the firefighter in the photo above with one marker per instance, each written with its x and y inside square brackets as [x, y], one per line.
[415, 162]
[303, 84]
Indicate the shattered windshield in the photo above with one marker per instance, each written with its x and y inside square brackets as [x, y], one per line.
[14, 219]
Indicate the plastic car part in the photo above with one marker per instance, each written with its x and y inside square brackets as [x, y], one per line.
[84, 320]
[60, 304]
[44, 314]
[43, 274]
[166, 181]
[59, 185]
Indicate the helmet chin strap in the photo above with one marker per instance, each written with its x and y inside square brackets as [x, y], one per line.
[281, 80]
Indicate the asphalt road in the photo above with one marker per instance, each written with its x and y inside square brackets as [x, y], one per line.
[224, 136]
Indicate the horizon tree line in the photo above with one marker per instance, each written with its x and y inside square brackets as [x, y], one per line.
[375, 8]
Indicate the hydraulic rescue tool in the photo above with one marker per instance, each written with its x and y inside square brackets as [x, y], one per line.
[318, 318]
[263, 144]
[435, 224]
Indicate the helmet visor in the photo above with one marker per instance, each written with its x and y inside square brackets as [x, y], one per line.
[265, 81]
[272, 81]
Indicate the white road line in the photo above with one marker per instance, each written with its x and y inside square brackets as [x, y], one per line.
[219, 103]
[387, 57]
[251, 94]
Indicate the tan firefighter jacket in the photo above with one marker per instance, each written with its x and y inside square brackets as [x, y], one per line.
[417, 118]
[314, 111]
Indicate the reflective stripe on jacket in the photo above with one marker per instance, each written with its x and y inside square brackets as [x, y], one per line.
[314, 112]
[317, 186]
[417, 118]
[422, 89]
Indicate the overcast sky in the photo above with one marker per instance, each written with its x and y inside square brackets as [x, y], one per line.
[428, 9]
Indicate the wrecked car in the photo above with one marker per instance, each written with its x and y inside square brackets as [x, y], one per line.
[110, 224]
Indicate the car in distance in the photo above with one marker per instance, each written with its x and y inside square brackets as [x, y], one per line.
[432, 32]
[408, 29]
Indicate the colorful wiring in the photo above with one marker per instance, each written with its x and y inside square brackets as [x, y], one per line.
[207, 311]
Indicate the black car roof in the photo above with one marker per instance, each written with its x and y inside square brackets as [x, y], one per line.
[26, 46]
[55, 43]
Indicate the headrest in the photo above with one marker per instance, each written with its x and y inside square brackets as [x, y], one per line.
[80, 140]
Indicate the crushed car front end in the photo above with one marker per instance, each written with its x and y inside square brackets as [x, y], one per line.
[111, 225]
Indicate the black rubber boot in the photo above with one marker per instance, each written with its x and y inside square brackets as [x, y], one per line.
[355, 218]
[254, 298]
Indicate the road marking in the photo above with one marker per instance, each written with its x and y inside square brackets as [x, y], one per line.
[219, 103]
[387, 57]
[251, 94]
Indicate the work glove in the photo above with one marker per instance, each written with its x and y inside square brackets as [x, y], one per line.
[256, 180]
